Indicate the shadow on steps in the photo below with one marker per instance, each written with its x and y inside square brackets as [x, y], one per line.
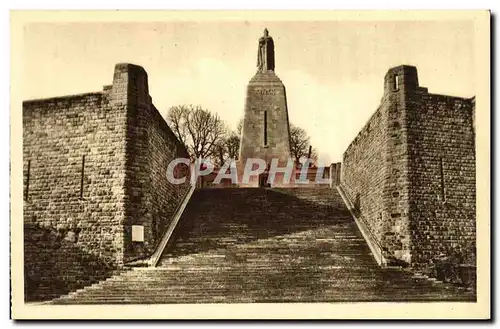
[54, 266]
[219, 218]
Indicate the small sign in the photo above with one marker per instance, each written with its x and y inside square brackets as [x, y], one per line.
[137, 233]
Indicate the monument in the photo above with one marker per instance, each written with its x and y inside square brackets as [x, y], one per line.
[266, 132]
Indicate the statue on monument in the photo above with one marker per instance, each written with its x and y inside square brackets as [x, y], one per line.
[265, 54]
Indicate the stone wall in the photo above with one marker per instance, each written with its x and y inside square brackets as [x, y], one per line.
[64, 137]
[151, 146]
[58, 133]
[410, 173]
[55, 265]
[364, 171]
[335, 171]
[94, 165]
[442, 179]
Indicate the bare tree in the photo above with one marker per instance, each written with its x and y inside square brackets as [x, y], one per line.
[199, 129]
[205, 131]
[233, 146]
[239, 127]
[228, 148]
[176, 117]
[299, 144]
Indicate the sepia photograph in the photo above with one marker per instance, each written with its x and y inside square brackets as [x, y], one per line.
[250, 164]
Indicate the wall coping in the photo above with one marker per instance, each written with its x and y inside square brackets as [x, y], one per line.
[155, 257]
[370, 240]
[63, 98]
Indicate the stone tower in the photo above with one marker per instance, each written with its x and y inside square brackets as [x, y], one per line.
[265, 133]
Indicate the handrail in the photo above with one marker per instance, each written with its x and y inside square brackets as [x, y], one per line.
[155, 257]
[370, 238]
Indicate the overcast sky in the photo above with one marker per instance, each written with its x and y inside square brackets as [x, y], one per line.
[333, 71]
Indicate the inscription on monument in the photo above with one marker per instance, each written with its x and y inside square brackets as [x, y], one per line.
[266, 92]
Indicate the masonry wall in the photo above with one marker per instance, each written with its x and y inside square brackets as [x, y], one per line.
[87, 215]
[151, 198]
[442, 178]
[410, 174]
[94, 165]
[55, 265]
[364, 171]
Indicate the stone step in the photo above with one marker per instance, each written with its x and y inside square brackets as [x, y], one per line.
[260, 297]
[247, 245]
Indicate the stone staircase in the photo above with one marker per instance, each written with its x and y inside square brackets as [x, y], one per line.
[266, 245]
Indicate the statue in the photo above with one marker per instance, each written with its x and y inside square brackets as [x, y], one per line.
[265, 54]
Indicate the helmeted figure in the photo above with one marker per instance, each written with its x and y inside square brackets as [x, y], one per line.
[265, 54]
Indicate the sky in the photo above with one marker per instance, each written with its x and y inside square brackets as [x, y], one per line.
[333, 71]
